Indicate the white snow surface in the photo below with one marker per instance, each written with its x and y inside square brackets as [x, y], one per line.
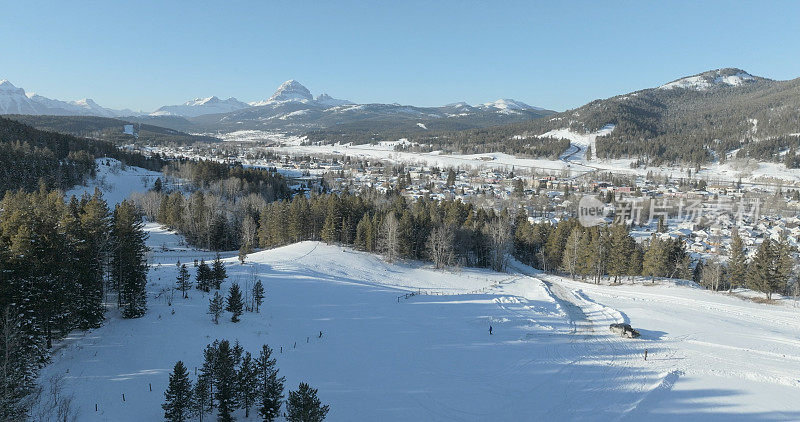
[708, 80]
[507, 104]
[116, 181]
[384, 356]
[577, 138]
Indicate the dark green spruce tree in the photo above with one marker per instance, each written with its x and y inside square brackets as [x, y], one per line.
[303, 405]
[184, 282]
[216, 306]
[258, 294]
[178, 397]
[218, 272]
[270, 386]
[129, 260]
[235, 303]
[225, 381]
[204, 276]
[247, 383]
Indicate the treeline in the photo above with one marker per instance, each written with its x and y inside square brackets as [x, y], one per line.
[769, 271]
[230, 180]
[223, 207]
[231, 379]
[58, 260]
[481, 141]
[393, 225]
[110, 129]
[30, 157]
[597, 252]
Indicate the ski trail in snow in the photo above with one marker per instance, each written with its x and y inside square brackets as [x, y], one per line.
[592, 344]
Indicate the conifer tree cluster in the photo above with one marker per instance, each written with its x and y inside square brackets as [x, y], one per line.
[391, 224]
[129, 260]
[231, 379]
[211, 277]
[54, 258]
[585, 252]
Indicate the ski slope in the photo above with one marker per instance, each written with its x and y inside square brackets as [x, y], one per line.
[388, 355]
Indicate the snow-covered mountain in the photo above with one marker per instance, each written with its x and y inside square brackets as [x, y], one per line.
[507, 105]
[14, 100]
[710, 79]
[293, 107]
[326, 100]
[201, 106]
[292, 91]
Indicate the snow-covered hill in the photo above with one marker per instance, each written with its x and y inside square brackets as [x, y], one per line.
[707, 80]
[388, 355]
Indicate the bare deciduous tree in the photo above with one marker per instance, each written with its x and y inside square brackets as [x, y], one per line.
[441, 247]
[499, 231]
[390, 237]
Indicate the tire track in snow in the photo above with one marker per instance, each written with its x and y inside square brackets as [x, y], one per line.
[589, 339]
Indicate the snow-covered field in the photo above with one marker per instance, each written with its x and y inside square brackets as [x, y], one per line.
[429, 356]
[116, 182]
[749, 171]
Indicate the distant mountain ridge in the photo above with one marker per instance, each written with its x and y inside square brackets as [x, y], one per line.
[15, 100]
[694, 119]
[291, 108]
[200, 106]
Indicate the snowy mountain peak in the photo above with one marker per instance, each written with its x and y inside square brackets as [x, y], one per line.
[328, 101]
[8, 87]
[86, 102]
[291, 90]
[460, 104]
[201, 106]
[507, 105]
[712, 78]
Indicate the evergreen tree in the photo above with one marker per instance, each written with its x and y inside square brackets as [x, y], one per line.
[655, 262]
[621, 251]
[737, 262]
[235, 304]
[258, 294]
[207, 377]
[248, 383]
[95, 221]
[129, 261]
[178, 404]
[202, 396]
[216, 306]
[18, 365]
[270, 386]
[761, 269]
[184, 280]
[451, 178]
[204, 276]
[225, 381]
[218, 272]
[303, 405]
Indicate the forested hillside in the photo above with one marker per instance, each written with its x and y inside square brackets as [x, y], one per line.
[59, 257]
[110, 129]
[30, 156]
[693, 120]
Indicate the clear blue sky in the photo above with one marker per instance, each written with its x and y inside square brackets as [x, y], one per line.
[552, 54]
